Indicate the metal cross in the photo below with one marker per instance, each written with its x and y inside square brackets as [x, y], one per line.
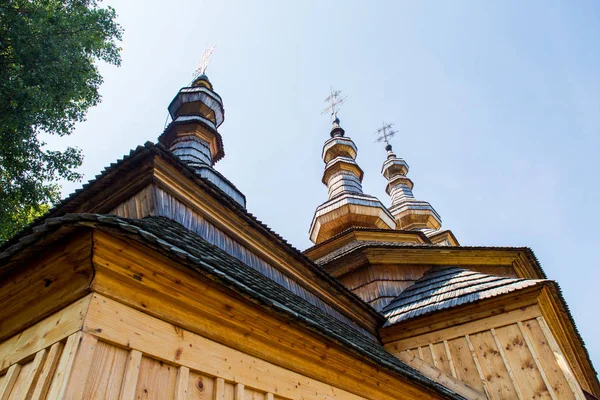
[385, 133]
[204, 62]
[335, 101]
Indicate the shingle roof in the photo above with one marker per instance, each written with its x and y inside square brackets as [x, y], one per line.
[448, 287]
[177, 242]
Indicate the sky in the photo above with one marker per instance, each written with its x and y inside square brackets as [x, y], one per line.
[496, 104]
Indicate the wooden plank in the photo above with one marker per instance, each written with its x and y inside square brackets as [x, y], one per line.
[464, 329]
[269, 396]
[439, 376]
[486, 388]
[551, 368]
[526, 374]
[28, 376]
[464, 365]
[239, 393]
[449, 357]
[181, 386]
[156, 380]
[427, 356]
[220, 389]
[81, 367]
[43, 334]
[200, 387]
[49, 282]
[9, 381]
[561, 360]
[65, 365]
[507, 365]
[45, 379]
[492, 366]
[125, 326]
[433, 355]
[537, 361]
[106, 372]
[132, 371]
[441, 359]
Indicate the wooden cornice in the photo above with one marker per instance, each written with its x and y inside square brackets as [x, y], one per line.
[515, 258]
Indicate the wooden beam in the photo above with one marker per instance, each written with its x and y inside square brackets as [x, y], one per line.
[507, 364]
[132, 371]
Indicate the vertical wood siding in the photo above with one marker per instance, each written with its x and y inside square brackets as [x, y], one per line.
[512, 361]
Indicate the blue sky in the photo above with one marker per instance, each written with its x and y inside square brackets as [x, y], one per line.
[496, 103]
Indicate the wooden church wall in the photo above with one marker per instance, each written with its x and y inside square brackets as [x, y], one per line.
[121, 353]
[509, 356]
[148, 310]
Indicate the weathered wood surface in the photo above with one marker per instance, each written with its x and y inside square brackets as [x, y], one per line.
[43, 334]
[45, 284]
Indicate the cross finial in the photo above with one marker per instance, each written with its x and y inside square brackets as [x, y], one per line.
[334, 101]
[204, 61]
[385, 133]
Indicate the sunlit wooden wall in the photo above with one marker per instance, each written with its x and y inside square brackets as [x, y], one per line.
[504, 358]
[121, 353]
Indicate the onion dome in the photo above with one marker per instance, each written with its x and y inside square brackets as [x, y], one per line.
[196, 112]
[347, 206]
[409, 213]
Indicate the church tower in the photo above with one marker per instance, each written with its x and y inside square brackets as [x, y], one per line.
[196, 112]
[347, 205]
[409, 213]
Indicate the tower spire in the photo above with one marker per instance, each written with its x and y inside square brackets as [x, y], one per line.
[409, 213]
[347, 206]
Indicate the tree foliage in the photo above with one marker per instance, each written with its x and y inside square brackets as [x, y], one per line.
[48, 81]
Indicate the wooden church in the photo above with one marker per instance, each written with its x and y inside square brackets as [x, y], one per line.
[154, 282]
